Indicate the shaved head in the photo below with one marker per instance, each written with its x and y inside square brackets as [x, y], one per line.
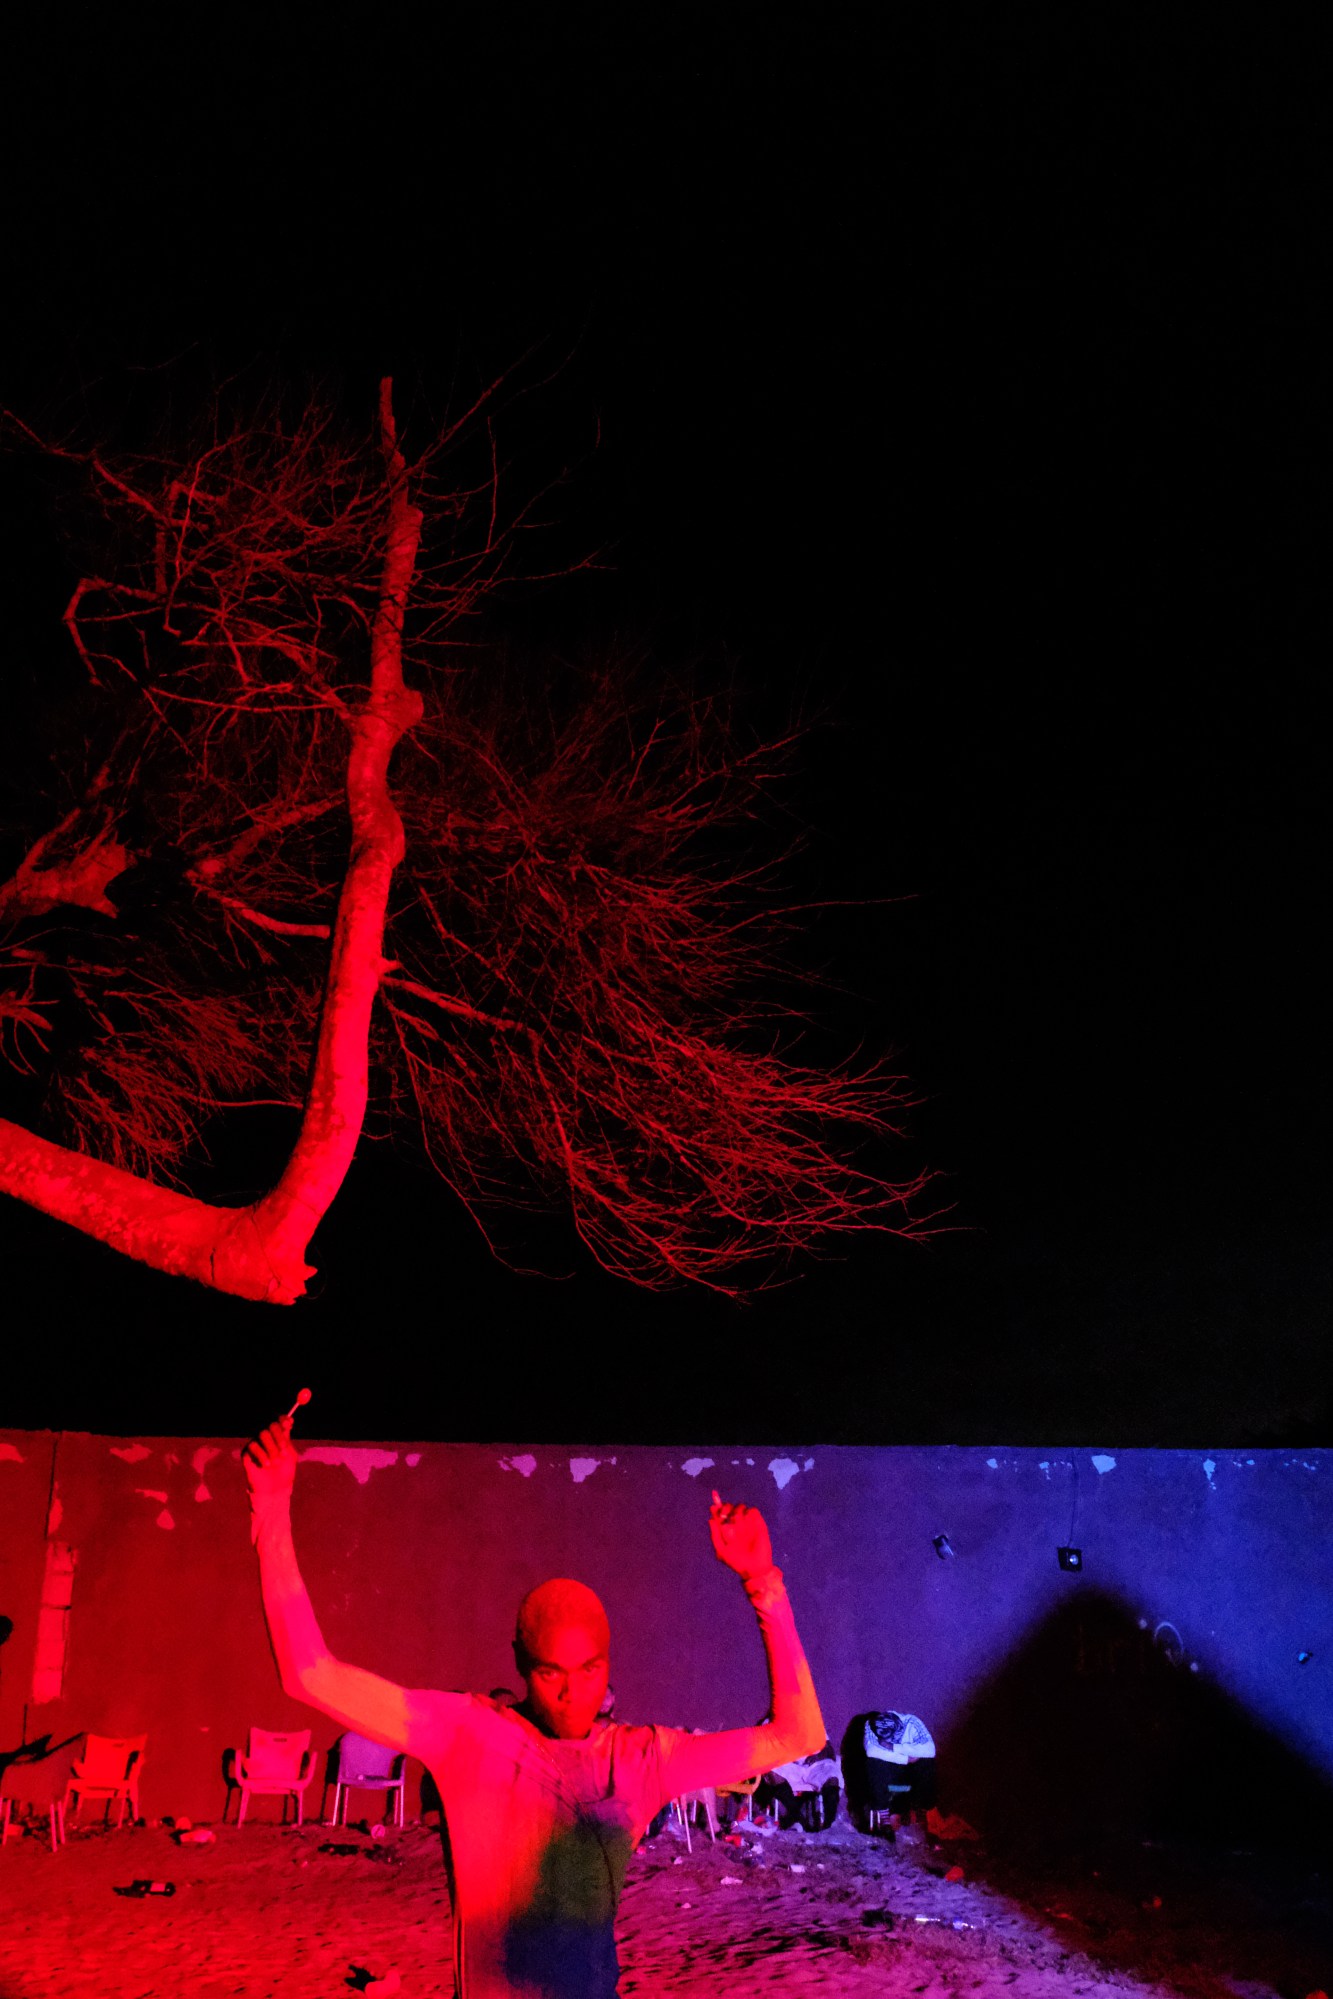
[560, 1605]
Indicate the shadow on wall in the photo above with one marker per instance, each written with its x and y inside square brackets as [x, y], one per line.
[1098, 1728]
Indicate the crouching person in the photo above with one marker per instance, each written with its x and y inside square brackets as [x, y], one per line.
[888, 1767]
[804, 1792]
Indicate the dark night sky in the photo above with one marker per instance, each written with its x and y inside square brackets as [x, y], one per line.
[960, 390]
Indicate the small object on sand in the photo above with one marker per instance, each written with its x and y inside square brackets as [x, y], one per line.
[339, 1846]
[200, 1835]
[138, 1888]
[377, 1832]
[955, 1874]
[299, 1403]
[182, 1825]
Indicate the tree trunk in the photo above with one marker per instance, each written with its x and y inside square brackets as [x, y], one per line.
[259, 1251]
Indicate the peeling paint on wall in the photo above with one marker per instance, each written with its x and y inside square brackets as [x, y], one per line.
[1103, 1463]
[164, 1519]
[525, 1466]
[359, 1460]
[693, 1466]
[147, 1492]
[1209, 1467]
[48, 1665]
[581, 1468]
[7, 1451]
[133, 1454]
[200, 1462]
[783, 1470]
[413, 1458]
[55, 1513]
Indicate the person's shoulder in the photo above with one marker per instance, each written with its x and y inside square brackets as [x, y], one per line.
[624, 1734]
[634, 1738]
[441, 1710]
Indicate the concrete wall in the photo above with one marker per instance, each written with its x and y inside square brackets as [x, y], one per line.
[1171, 1661]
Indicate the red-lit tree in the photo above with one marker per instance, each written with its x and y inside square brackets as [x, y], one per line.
[521, 938]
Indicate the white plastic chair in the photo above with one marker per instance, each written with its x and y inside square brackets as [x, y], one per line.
[109, 1768]
[362, 1765]
[693, 1801]
[277, 1763]
[745, 1787]
[39, 1783]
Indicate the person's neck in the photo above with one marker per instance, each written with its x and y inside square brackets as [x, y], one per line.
[543, 1729]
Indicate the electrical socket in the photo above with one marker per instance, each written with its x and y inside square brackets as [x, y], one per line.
[1069, 1558]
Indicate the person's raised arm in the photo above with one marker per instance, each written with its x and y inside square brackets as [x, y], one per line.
[360, 1700]
[795, 1726]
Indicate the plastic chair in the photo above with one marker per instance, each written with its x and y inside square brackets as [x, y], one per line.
[358, 1764]
[276, 1764]
[37, 1782]
[745, 1788]
[692, 1801]
[109, 1768]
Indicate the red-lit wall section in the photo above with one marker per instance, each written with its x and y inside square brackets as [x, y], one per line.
[1200, 1622]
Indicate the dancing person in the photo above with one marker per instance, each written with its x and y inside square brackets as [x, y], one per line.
[543, 1803]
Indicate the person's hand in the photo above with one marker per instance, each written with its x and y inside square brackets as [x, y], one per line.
[270, 1463]
[740, 1538]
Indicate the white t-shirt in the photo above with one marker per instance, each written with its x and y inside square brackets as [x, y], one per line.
[540, 1833]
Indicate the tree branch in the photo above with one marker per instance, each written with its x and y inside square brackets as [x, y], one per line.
[339, 1086]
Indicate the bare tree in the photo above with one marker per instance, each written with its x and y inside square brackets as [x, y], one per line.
[538, 939]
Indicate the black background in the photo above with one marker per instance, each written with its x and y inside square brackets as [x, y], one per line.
[958, 387]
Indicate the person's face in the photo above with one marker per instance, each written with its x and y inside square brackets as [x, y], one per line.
[566, 1681]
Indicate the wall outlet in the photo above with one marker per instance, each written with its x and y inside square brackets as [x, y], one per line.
[1069, 1558]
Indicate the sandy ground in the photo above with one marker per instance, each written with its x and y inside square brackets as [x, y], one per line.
[264, 1912]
